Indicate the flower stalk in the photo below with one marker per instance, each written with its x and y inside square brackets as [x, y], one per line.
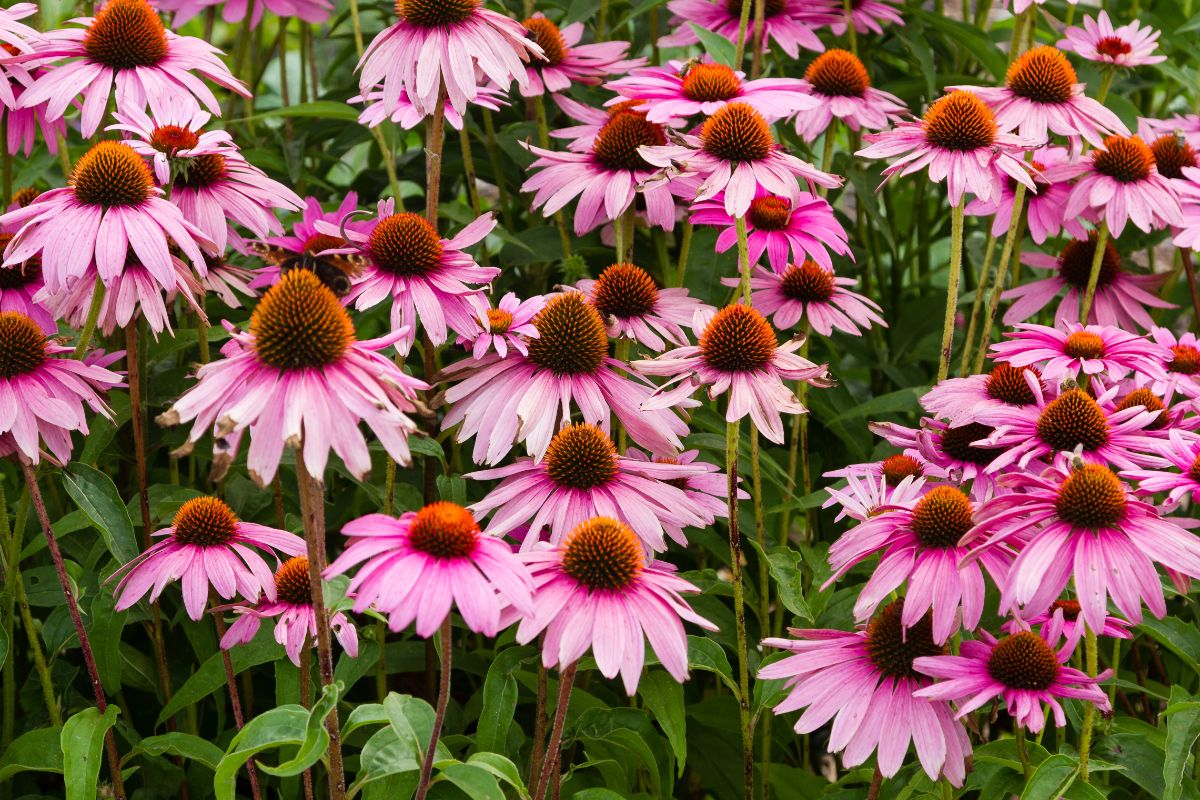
[732, 436]
[956, 249]
[1016, 231]
[1089, 294]
[439, 719]
[566, 678]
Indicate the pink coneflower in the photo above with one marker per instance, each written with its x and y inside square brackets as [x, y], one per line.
[173, 135]
[295, 620]
[305, 239]
[1177, 161]
[581, 137]
[840, 81]
[598, 574]
[866, 16]
[233, 11]
[1042, 95]
[738, 353]
[1131, 45]
[110, 211]
[736, 154]
[633, 307]
[1043, 207]
[1080, 521]
[132, 293]
[606, 177]
[580, 477]
[918, 543]
[1073, 630]
[418, 566]
[430, 280]
[864, 681]
[959, 141]
[870, 488]
[1119, 183]
[682, 90]
[526, 398]
[207, 548]
[1071, 422]
[1023, 669]
[1182, 366]
[814, 294]
[1182, 478]
[125, 45]
[227, 281]
[1184, 125]
[956, 453]
[1168, 418]
[707, 493]
[300, 377]
[788, 229]
[41, 395]
[404, 113]
[1072, 348]
[24, 124]
[445, 47]
[961, 400]
[567, 62]
[1187, 235]
[19, 285]
[17, 38]
[791, 24]
[508, 325]
[1121, 297]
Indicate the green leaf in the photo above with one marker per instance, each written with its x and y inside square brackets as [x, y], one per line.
[82, 742]
[721, 49]
[475, 781]
[3, 646]
[277, 727]
[499, 699]
[37, 751]
[786, 567]
[363, 715]
[664, 697]
[706, 655]
[1052, 778]
[316, 737]
[97, 497]
[180, 744]
[425, 446]
[969, 37]
[211, 675]
[499, 766]
[903, 401]
[106, 627]
[1179, 637]
[320, 109]
[1183, 728]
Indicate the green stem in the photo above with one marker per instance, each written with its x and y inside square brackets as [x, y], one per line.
[760, 13]
[827, 153]
[493, 151]
[550, 762]
[1014, 234]
[439, 719]
[739, 54]
[848, 7]
[1023, 752]
[685, 247]
[981, 283]
[1105, 84]
[17, 582]
[1089, 294]
[543, 129]
[89, 324]
[956, 246]
[381, 680]
[1018, 34]
[1092, 658]
[624, 345]
[732, 431]
[743, 251]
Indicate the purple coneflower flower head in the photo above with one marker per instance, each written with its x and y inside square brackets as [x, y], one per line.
[416, 567]
[790, 24]
[1023, 669]
[20, 285]
[839, 80]
[961, 400]
[1181, 477]
[1122, 298]
[1182, 366]
[1071, 348]
[404, 112]
[870, 488]
[171, 135]
[208, 549]
[684, 89]
[1043, 207]
[430, 280]
[813, 294]
[1079, 523]
[791, 228]
[41, 394]
[306, 240]
[233, 11]
[567, 62]
[300, 377]
[457, 46]
[866, 16]
[125, 45]
[1072, 628]
[1167, 418]
[737, 155]
[526, 398]
[295, 619]
[864, 681]
[1131, 45]
[1177, 161]
[110, 211]
[959, 142]
[24, 124]
[597, 576]
[606, 176]
[633, 307]
[228, 281]
[1042, 95]
[1120, 183]
[1186, 126]
[918, 545]
[737, 353]
[580, 477]
[957, 454]
[1072, 422]
[16, 38]
[706, 493]
[508, 325]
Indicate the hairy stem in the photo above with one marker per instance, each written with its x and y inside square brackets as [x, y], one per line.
[956, 248]
[732, 435]
[440, 716]
[1089, 294]
[566, 678]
